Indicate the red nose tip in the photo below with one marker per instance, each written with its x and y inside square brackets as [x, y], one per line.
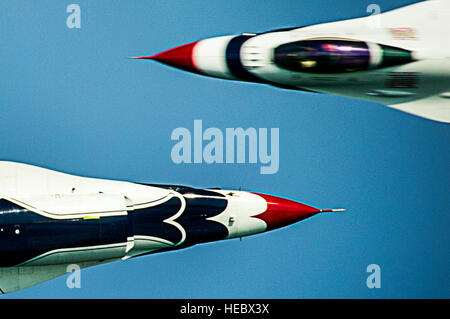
[282, 212]
[180, 57]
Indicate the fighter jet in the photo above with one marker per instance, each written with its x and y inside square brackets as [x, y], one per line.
[50, 220]
[400, 58]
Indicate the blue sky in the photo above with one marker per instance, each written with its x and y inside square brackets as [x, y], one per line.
[70, 100]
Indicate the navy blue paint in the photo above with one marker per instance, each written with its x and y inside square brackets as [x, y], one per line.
[234, 59]
[194, 220]
[150, 221]
[39, 234]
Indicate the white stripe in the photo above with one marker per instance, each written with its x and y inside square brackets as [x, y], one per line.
[152, 238]
[67, 250]
[172, 219]
[66, 216]
[376, 54]
[209, 57]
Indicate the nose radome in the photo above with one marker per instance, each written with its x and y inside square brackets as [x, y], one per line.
[180, 57]
[206, 57]
[282, 212]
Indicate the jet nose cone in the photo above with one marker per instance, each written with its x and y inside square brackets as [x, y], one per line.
[179, 57]
[282, 212]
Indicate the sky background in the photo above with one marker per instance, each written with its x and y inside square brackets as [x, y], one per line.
[70, 100]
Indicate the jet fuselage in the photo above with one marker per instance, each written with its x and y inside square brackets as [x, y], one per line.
[49, 220]
[399, 58]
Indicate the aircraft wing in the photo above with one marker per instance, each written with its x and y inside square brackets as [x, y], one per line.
[436, 107]
[20, 277]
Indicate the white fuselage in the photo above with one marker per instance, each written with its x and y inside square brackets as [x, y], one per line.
[49, 220]
[418, 83]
